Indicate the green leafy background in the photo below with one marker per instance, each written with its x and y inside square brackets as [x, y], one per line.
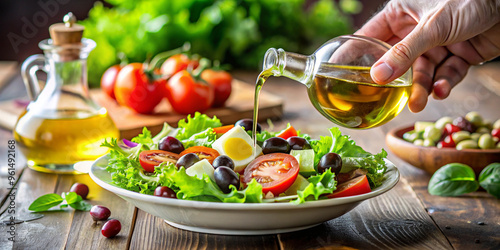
[235, 32]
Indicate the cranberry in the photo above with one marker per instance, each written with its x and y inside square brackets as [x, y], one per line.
[171, 144]
[99, 213]
[111, 228]
[165, 192]
[80, 189]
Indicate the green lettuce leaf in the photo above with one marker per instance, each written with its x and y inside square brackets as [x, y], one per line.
[204, 138]
[374, 164]
[344, 146]
[196, 124]
[353, 155]
[318, 184]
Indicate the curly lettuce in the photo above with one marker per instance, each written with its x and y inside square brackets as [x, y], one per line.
[353, 156]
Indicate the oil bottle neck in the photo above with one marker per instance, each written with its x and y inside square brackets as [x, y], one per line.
[294, 66]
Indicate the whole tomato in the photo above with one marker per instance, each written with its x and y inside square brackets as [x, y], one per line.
[177, 63]
[108, 80]
[135, 89]
[221, 80]
[187, 94]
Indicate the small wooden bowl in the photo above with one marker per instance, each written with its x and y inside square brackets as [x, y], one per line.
[431, 159]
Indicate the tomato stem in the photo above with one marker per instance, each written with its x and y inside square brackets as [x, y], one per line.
[123, 59]
[161, 57]
[196, 73]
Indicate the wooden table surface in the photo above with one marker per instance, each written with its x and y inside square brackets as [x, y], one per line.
[406, 217]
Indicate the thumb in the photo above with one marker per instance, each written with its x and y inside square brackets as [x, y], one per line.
[395, 62]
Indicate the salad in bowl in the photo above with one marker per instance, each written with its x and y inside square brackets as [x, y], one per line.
[202, 160]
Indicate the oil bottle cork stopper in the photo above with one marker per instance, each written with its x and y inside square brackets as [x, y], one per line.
[66, 33]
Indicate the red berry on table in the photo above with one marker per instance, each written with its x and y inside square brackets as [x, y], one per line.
[80, 189]
[99, 213]
[111, 228]
[166, 192]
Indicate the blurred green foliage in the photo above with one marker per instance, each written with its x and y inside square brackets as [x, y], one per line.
[236, 32]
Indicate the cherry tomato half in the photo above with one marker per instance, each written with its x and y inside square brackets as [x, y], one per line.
[108, 80]
[275, 172]
[221, 81]
[177, 63]
[356, 186]
[287, 133]
[135, 90]
[187, 94]
[149, 159]
[203, 153]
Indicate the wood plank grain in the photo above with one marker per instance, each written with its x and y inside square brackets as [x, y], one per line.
[49, 231]
[151, 232]
[19, 163]
[470, 221]
[394, 220]
[7, 70]
[84, 232]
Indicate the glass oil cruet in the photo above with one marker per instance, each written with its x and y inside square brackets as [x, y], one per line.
[337, 77]
[62, 125]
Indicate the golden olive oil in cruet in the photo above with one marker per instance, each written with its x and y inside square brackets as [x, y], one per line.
[337, 77]
[62, 125]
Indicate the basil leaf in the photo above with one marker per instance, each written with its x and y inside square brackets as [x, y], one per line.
[489, 179]
[81, 205]
[453, 179]
[45, 202]
[72, 197]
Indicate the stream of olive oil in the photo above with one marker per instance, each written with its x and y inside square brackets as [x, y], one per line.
[347, 96]
[63, 137]
[263, 76]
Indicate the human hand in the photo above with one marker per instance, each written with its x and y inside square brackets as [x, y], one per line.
[441, 38]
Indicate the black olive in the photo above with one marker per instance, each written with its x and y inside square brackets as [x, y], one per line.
[187, 160]
[224, 177]
[223, 160]
[247, 124]
[275, 145]
[330, 161]
[298, 143]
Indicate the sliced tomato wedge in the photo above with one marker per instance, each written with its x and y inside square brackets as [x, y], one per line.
[149, 159]
[287, 133]
[275, 172]
[356, 186]
[203, 152]
[223, 129]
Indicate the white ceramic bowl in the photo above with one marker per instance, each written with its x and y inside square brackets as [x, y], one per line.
[236, 218]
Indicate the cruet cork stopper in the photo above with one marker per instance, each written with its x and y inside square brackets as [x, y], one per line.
[66, 33]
